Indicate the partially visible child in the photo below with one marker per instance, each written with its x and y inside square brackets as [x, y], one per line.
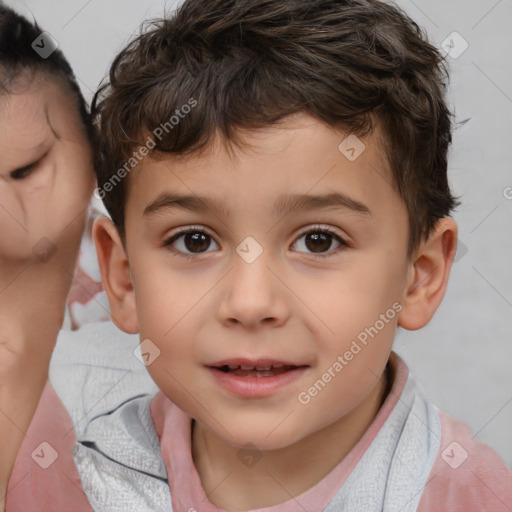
[46, 181]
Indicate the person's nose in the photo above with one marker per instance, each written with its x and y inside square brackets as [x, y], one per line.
[253, 295]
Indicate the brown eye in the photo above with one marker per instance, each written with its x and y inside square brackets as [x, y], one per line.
[319, 242]
[190, 241]
[196, 242]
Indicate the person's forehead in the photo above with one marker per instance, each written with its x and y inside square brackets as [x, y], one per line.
[23, 106]
[35, 114]
[320, 176]
[23, 123]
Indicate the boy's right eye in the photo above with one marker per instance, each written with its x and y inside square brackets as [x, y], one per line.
[193, 239]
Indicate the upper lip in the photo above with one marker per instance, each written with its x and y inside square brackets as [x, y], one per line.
[253, 363]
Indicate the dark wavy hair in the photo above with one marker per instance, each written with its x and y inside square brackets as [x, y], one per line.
[352, 64]
[19, 60]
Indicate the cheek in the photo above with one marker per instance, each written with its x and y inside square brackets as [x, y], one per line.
[14, 242]
[169, 298]
[167, 308]
[355, 314]
[75, 173]
[72, 193]
[344, 301]
[162, 297]
[162, 319]
[11, 213]
[56, 198]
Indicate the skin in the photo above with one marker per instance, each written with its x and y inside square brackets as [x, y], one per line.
[288, 304]
[40, 125]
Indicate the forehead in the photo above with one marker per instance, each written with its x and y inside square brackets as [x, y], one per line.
[34, 111]
[300, 155]
[24, 107]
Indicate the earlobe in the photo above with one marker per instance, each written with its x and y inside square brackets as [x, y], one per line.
[428, 276]
[115, 274]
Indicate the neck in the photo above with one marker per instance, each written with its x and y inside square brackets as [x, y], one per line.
[256, 487]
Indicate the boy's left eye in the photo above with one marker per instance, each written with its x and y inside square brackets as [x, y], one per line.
[318, 240]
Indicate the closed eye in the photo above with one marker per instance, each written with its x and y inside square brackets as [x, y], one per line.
[24, 172]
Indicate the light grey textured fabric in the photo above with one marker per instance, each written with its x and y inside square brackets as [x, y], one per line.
[94, 370]
[394, 470]
[119, 462]
[118, 459]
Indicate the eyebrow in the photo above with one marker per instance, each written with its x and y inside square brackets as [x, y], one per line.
[284, 205]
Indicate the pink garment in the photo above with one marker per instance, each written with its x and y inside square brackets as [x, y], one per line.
[44, 477]
[467, 476]
[481, 482]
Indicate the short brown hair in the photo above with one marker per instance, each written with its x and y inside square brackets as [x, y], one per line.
[250, 63]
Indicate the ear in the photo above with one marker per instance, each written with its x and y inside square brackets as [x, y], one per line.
[115, 274]
[428, 275]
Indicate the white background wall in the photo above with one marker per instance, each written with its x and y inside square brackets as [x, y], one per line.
[463, 358]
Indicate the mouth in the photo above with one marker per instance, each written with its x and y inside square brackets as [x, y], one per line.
[258, 368]
[255, 378]
[252, 371]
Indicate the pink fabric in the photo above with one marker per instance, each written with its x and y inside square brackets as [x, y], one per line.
[173, 426]
[467, 476]
[48, 444]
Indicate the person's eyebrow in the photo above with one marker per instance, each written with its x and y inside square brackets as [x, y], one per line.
[290, 203]
[166, 201]
[284, 205]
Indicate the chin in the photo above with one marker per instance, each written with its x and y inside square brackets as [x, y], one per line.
[261, 436]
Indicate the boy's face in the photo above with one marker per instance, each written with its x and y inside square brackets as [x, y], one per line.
[264, 282]
[207, 299]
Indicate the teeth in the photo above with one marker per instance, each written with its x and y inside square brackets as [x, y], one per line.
[265, 374]
[268, 368]
[258, 368]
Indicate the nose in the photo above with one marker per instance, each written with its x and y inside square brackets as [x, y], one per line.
[252, 295]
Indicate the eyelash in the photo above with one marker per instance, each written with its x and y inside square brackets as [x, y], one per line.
[26, 171]
[23, 172]
[198, 229]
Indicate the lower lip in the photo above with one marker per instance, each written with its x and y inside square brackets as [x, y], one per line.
[254, 387]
